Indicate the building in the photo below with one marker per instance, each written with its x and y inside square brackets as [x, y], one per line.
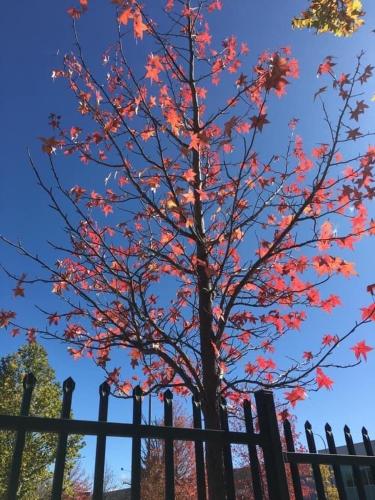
[367, 474]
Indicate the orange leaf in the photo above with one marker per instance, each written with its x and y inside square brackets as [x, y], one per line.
[326, 232]
[139, 26]
[189, 175]
[125, 16]
[188, 197]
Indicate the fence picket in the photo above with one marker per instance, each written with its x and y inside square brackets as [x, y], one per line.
[58, 475]
[29, 382]
[104, 391]
[136, 446]
[368, 448]
[316, 469]
[169, 456]
[253, 455]
[356, 470]
[272, 451]
[293, 467]
[336, 468]
[199, 452]
[227, 454]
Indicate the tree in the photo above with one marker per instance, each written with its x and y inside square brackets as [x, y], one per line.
[203, 251]
[80, 484]
[329, 482]
[40, 449]
[340, 17]
[152, 485]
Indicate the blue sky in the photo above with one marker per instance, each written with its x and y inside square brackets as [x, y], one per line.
[34, 37]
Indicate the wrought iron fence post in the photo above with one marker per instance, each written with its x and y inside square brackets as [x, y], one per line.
[368, 448]
[316, 469]
[29, 382]
[293, 467]
[272, 450]
[104, 391]
[336, 468]
[253, 455]
[199, 453]
[169, 457]
[356, 470]
[227, 453]
[136, 446]
[58, 475]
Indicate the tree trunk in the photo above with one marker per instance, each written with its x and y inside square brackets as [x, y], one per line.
[214, 456]
[211, 380]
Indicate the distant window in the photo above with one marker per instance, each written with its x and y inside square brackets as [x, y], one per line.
[367, 475]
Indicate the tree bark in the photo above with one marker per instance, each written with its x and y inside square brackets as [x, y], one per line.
[211, 380]
[214, 456]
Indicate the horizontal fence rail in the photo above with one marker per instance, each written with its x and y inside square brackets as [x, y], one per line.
[272, 477]
[114, 429]
[327, 459]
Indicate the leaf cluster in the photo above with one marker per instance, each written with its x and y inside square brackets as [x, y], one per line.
[340, 17]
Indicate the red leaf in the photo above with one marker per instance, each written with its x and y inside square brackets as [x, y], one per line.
[189, 175]
[15, 332]
[361, 349]
[330, 303]
[297, 394]
[215, 5]
[154, 66]
[360, 109]
[107, 209]
[323, 380]
[74, 13]
[326, 233]
[76, 353]
[169, 5]
[353, 134]
[326, 65]
[6, 317]
[250, 368]
[265, 364]
[53, 319]
[329, 339]
[308, 355]
[19, 291]
[259, 121]
[368, 312]
[139, 26]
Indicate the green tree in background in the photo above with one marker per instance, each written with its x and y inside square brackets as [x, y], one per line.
[40, 449]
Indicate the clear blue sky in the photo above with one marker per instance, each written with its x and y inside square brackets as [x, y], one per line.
[34, 37]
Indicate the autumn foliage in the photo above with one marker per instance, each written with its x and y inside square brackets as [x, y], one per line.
[341, 17]
[203, 249]
[153, 464]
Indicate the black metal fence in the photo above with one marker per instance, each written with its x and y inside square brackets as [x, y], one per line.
[274, 463]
